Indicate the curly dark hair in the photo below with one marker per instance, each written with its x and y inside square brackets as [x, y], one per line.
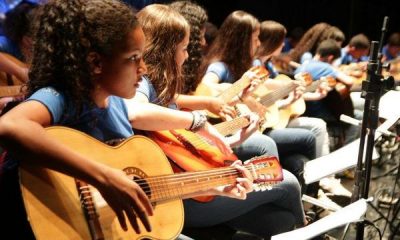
[232, 44]
[197, 18]
[67, 32]
[164, 29]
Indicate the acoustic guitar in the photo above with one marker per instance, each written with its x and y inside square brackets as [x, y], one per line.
[298, 107]
[198, 151]
[61, 207]
[279, 118]
[265, 106]
[232, 91]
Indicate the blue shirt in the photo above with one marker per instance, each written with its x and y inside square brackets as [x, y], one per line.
[269, 66]
[317, 69]
[146, 88]
[346, 58]
[387, 55]
[307, 56]
[287, 47]
[222, 71]
[104, 124]
[7, 46]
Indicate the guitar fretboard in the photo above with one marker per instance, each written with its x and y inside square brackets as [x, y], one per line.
[274, 96]
[229, 127]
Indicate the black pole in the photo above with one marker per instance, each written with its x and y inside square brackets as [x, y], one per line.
[372, 89]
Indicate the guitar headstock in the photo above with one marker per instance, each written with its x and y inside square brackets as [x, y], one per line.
[261, 72]
[331, 81]
[266, 171]
[304, 77]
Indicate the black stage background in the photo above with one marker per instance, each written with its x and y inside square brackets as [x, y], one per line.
[351, 16]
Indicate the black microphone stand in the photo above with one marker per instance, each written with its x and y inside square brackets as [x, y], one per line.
[372, 89]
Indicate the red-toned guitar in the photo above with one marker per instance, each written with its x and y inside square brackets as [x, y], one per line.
[194, 151]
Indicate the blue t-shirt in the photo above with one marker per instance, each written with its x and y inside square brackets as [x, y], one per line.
[105, 124]
[317, 69]
[305, 57]
[7, 46]
[222, 71]
[346, 58]
[147, 89]
[287, 47]
[387, 55]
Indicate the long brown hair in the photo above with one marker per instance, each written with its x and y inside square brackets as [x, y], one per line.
[164, 29]
[272, 35]
[233, 43]
[309, 42]
[197, 18]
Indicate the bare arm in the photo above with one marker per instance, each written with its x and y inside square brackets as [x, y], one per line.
[10, 67]
[194, 102]
[344, 78]
[148, 116]
[212, 80]
[213, 104]
[22, 133]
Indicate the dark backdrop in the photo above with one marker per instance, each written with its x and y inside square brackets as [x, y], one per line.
[351, 16]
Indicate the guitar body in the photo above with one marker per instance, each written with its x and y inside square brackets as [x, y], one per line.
[204, 90]
[292, 111]
[52, 201]
[198, 153]
[205, 155]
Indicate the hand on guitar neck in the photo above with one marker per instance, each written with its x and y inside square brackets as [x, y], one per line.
[230, 94]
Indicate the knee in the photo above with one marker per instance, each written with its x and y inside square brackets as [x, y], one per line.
[291, 184]
[267, 145]
[320, 125]
[310, 140]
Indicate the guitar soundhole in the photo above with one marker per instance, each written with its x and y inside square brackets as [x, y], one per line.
[139, 177]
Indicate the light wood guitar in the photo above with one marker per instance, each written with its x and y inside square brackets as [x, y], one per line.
[232, 91]
[61, 207]
[265, 106]
[298, 107]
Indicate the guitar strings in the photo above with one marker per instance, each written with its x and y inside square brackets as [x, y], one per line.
[171, 191]
[177, 179]
[197, 140]
[212, 172]
[271, 98]
[239, 85]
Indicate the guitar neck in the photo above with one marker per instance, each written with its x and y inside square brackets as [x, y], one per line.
[229, 127]
[235, 89]
[183, 185]
[313, 86]
[243, 83]
[274, 96]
